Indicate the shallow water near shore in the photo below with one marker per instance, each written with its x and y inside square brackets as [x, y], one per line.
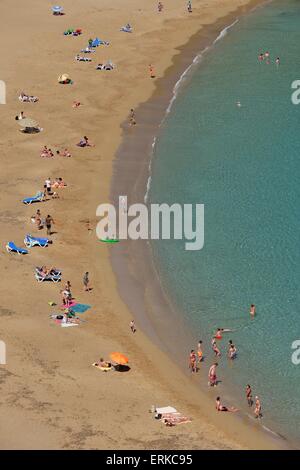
[242, 163]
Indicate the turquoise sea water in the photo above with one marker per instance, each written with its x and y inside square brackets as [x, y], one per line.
[242, 163]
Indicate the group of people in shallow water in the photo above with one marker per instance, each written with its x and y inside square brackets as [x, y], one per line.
[266, 57]
[197, 357]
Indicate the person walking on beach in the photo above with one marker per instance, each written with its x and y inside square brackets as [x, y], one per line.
[132, 326]
[160, 7]
[49, 221]
[249, 395]
[252, 310]
[193, 361]
[220, 407]
[47, 185]
[132, 120]
[215, 348]
[199, 351]
[257, 410]
[86, 282]
[212, 375]
[151, 71]
[189, 6]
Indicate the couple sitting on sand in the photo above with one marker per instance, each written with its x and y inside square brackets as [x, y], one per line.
[85, 142]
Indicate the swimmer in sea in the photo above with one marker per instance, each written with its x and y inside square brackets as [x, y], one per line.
[239, 104]
[252, 310]
[261, 58]
[277, 61]
[267, 57]
[220, 407]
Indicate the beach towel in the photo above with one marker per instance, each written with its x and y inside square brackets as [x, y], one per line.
[166, 409]
[80, 308]
[66, 325]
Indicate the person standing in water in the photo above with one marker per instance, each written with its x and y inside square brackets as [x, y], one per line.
[232, 351]
[199, 351]
[257, 410]
[212, 375]
[193, 361]
[277, 61]
[252, 310]
[215, 348]
[249, 395]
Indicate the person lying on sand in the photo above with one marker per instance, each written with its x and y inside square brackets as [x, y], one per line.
[46, 153]
[76, 104]
[103, 363]
[220, 407]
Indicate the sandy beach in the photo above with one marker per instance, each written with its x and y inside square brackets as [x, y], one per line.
[51, 396]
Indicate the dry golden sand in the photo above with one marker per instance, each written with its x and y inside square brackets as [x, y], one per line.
[51, 397]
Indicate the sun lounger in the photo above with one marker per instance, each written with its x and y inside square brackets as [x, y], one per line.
[126, 29]
[37, 198]
[54, 275]
[98, 42]
[82, 59]
[28, 99]
[107, 66]
[36, 241]
[12, 248]
[88, 50]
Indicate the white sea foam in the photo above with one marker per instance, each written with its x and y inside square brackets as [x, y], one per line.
[176, 89]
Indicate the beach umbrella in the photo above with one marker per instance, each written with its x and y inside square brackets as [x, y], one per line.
[119, 358]
[27, 122]
[57, 9]
[64, 78]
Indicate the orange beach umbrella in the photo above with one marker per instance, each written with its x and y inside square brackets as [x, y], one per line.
[119, 358]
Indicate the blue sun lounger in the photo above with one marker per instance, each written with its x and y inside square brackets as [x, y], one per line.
[37, 198]
[35, 241]
[11, 247]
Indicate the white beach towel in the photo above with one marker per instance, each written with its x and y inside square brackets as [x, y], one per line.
[65, 325]
[166, 409]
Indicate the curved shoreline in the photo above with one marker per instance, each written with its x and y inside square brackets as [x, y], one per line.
[150, 303]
